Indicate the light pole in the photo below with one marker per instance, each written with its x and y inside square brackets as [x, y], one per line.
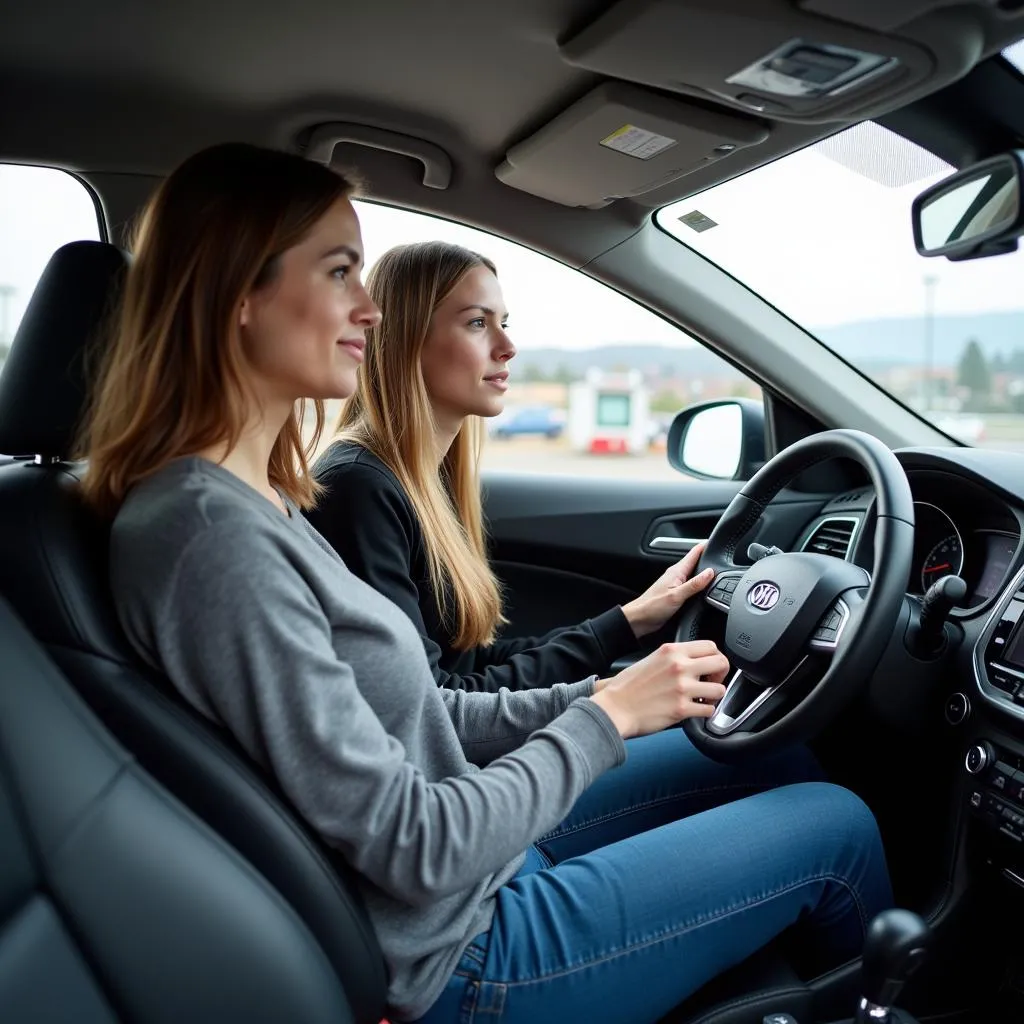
[7, 292]
[930, 281]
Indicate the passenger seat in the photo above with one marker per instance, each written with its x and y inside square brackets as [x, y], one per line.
[116, 903]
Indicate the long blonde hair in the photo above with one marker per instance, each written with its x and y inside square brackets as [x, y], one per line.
[171, 383]
[390, 415]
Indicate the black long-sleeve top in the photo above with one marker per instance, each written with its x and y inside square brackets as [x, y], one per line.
[368, 519]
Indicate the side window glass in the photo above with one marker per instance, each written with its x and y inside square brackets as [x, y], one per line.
[597, 378]
[41, 209]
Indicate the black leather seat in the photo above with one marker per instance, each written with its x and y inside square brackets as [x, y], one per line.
[116, 902]
[53, 567]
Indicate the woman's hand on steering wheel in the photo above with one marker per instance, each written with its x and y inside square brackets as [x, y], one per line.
[677, 681]
[663, 599]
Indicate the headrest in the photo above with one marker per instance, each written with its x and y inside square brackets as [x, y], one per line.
[43, 387]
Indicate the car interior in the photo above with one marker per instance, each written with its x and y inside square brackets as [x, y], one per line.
[870, 565]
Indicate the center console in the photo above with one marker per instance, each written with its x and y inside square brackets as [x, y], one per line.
[999, 655]
[996, 794]
[994, 762]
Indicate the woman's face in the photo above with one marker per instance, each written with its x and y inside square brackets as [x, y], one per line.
[304, 330]
[465, 357]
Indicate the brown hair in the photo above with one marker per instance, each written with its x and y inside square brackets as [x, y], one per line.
[172, 380]
[390, 415]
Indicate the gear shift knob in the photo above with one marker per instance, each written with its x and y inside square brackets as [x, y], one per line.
[895, 946]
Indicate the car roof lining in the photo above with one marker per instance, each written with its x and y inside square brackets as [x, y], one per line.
[123, 91]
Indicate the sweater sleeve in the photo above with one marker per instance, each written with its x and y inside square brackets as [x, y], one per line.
[369, 522]
[243, 625]
[595, 643]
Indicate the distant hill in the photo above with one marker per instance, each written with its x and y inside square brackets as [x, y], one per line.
[868, 343]
[668, 361]
[895, 341]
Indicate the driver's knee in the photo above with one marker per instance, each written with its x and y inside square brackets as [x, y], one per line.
[840, 838]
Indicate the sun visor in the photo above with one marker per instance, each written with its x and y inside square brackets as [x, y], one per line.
[621, 141]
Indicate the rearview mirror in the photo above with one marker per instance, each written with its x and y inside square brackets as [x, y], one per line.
[976, 212]
[719, 440]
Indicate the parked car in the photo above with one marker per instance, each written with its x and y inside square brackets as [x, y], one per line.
[536, 420]
[966, 428]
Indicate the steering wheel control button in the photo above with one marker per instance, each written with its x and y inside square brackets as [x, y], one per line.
[830, 628]
[720, 594]
[958, 707]
[978, 758]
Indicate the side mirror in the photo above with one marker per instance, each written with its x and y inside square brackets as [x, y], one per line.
[718, 440]
[976, 212]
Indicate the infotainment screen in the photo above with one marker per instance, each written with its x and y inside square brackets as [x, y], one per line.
[1014, 653]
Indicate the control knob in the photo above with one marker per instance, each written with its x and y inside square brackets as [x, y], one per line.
[979, 757]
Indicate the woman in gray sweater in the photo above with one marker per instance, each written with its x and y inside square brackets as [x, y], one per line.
[244, 302]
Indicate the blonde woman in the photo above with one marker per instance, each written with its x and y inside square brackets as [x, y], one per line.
[400, 502]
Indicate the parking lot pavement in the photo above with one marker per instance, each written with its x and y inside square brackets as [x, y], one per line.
[538, 455]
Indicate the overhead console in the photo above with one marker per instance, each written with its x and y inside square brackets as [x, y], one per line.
[695, 82]
[814, 60]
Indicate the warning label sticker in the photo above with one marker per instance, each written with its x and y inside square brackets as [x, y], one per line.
[638, 142]
[698, 221]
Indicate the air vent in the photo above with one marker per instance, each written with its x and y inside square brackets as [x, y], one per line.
[832, 537]
[848, 498]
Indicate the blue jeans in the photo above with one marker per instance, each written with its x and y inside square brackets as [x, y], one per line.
[669, 870]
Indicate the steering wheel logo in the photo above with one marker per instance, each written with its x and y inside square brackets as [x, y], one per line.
[764, 596]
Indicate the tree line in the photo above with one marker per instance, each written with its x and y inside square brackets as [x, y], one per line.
[976, 374]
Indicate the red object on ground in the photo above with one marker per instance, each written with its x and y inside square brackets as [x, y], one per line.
[608, 446]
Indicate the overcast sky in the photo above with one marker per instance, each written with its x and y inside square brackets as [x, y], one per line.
[824, 234]
[829, 245]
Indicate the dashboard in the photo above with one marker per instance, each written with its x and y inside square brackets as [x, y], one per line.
[963, 526]
[953, 711]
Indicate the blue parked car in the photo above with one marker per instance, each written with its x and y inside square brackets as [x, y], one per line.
[540, 420]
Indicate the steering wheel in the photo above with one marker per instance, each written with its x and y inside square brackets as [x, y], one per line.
[803, 631]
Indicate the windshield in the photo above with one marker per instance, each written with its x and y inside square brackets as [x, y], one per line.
[1015, 55]
[824, 235]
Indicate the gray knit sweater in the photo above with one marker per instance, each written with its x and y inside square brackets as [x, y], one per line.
[433, 795]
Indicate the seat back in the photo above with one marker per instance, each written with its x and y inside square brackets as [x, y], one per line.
[117, 903]
[53, 569]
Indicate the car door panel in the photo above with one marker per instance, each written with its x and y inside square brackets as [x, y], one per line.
[567, 548]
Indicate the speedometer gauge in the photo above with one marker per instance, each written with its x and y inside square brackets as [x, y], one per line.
[945, 559]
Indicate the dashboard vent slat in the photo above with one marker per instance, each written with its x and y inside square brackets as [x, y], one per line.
[832, 537]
